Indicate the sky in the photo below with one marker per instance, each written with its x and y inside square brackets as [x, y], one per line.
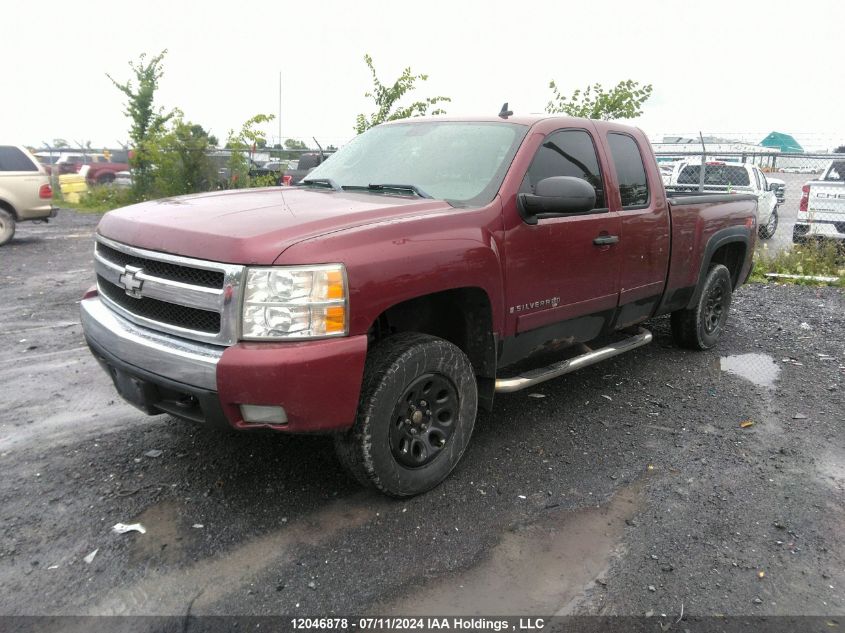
[724, 68]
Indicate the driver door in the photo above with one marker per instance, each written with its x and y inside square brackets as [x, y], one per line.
[563, 272]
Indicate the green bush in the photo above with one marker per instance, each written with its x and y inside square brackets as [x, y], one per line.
[815, 258]
[105, 198]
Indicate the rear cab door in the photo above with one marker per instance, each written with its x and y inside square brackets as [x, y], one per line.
[767, 200]
[637, 195]
[561, 283]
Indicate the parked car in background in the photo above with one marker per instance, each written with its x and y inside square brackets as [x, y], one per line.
[305, 165]
[25, 193]
[220, 160]
[730, 177]
[103, 172]
[821, 212]
[101, 167]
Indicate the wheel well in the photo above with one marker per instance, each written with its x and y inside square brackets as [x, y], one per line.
[731, 256]
[9, 208]
[462, 316]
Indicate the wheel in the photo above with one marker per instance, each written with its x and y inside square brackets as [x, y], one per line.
[7, 226]
[415, 417]
[699, 327]
[768, 230]
[105, 179]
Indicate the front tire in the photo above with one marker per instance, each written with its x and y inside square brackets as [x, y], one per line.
[767, 231]
[701, 326]
[7, 226]
[415, 417]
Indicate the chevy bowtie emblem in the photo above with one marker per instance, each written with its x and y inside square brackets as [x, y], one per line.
[130, 282]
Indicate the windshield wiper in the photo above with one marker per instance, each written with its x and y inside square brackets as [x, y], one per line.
[323, 182]
[412, 188]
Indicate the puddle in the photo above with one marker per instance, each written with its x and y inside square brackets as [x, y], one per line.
[759, 369]
[540, 568]
[163, 542]
[211, 578]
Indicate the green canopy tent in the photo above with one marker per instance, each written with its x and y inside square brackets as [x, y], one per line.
[783, 142]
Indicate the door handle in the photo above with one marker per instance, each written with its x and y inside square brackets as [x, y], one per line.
[606, 240]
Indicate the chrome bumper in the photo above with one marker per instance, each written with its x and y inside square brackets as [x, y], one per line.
[176, 359]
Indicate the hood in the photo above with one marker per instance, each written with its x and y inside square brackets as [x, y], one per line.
[252, 226]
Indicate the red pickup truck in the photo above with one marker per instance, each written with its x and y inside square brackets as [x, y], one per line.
[397, 288]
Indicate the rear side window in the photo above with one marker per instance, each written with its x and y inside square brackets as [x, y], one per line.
[567, 153]
[836, 173]
[12, 159]
[630, 170]
[720, 175]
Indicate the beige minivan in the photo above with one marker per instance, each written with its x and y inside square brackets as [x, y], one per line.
[25, 192]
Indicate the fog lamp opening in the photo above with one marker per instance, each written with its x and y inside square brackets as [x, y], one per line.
[263, 414]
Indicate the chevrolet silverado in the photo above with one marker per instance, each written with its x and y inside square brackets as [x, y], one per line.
[428, 266]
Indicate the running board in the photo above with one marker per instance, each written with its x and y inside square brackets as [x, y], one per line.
[536, 376]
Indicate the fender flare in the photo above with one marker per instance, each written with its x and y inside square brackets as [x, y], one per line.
[720, 238]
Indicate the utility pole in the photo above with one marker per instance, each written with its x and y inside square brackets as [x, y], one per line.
[280, 111]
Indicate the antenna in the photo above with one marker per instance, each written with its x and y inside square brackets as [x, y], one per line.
[504, 112]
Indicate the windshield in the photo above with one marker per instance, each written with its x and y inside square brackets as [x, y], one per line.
[721, 175]
[461, 162]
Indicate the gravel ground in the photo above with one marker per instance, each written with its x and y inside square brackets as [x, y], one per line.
[630, 487]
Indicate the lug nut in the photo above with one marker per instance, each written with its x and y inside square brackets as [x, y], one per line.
[423, 403]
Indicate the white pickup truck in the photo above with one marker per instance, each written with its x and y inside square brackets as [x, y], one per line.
[821, 212]
[722, 177]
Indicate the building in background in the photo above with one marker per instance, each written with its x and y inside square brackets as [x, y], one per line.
[783, 143]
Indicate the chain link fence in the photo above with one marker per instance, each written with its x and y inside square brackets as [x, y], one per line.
[805, 189]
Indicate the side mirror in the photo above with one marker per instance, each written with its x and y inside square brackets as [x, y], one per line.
[773, 186]
[555, 197]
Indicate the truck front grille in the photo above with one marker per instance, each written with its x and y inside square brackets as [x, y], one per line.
[157, 268]
[190, 298]
[161, 311]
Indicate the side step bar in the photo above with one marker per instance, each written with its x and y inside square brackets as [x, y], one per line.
[536, 376]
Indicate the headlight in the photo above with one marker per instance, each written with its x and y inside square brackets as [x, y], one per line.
[295, 302]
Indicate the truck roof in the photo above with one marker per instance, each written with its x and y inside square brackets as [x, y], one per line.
[529, 120]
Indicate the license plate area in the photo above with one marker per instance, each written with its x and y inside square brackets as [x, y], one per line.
[135, 391]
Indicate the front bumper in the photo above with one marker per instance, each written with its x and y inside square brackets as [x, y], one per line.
[316, 382]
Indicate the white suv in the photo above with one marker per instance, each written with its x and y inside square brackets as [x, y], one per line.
[25, 192]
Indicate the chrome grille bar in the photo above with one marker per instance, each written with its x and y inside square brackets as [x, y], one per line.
[139, 283]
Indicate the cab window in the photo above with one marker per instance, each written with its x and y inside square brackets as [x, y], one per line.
[630, 170]
[567, 153]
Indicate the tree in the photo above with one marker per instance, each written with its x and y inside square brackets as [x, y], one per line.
[839, 150]
[292, 143]
[241, 143]
[148, 122]
[60, 143]
[181, 159]
[624, 101]
[386, 99]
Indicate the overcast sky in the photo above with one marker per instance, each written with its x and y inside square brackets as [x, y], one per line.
[720, 67]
